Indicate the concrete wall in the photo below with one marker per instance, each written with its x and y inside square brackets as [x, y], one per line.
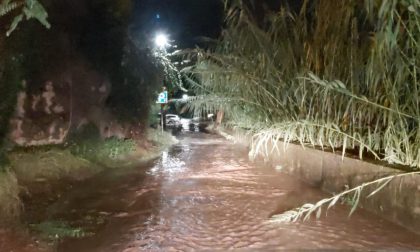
[398, 202]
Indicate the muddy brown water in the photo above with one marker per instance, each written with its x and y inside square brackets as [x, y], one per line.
[204, 194]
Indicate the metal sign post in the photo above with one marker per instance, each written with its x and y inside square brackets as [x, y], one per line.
[161, 116]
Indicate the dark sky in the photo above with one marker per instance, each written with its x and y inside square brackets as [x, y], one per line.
[185, 21]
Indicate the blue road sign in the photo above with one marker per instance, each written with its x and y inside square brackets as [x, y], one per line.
[163, 98]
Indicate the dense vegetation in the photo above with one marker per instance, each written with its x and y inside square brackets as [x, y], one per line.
[77, 43]
[335, 74]
[86, 34]
[11, 72]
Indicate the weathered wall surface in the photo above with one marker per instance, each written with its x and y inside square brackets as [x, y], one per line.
[398, 202]
[68, 99]
[84, 70]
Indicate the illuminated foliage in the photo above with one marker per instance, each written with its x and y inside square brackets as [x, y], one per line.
[337, 74]
[28, 9]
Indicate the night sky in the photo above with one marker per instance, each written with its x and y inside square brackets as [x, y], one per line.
[185, 21]
[188, 21]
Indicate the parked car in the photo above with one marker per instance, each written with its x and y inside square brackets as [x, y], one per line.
[173, 120]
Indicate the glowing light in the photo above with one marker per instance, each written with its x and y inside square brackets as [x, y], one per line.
[185, 97]
[161, 40]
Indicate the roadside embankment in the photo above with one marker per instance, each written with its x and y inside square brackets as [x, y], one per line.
[44, 169]
[398, 201]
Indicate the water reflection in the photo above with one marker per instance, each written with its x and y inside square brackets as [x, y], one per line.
[168, 165]
[204, 194]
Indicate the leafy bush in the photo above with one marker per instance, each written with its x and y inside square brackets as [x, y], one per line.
[87, 143]
[114, 148]
[103, 150]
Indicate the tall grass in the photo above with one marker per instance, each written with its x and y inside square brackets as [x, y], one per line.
[10, 206]
[48, 164]
[338, 74]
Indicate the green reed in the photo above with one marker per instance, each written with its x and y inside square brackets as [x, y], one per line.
[338, 74]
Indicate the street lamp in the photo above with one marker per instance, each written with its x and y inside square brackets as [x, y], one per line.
[161, 41]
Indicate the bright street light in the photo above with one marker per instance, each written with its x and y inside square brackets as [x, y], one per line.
[185, 97]
[161, 40]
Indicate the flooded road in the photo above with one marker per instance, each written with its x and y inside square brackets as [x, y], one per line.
[204, 194]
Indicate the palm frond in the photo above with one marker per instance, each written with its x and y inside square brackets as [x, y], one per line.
[307, 210]
[6, 7]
